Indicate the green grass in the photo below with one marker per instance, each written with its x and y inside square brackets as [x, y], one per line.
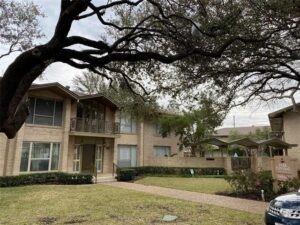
[203, 185]
[99, 204]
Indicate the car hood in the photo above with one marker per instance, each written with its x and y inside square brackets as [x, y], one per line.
[288, 201]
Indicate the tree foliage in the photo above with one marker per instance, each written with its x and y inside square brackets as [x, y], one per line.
[129, 100]
[178, 47]
[193, 126]
[19, 26]
[258, 135]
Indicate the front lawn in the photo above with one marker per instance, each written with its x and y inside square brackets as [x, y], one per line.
[203, 185]
[99, 204]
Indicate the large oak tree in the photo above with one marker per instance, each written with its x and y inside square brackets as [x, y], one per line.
[141, 38]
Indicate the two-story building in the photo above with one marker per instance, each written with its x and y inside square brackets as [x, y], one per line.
[285, 124]
[69, 132]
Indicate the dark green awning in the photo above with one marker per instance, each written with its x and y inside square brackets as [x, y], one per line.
[247, 142]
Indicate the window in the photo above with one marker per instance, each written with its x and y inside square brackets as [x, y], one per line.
[127, 123]
[157, 129]
[162, 151]
[45, 112]
[99, 156]
[76, 158]
[127, 156]
[37, 156]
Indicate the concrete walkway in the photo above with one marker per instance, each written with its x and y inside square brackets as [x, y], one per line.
[218, 200]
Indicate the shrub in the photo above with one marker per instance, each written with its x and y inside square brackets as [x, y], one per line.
[179, 171]
[125, 174]
[45, 178]
[247, 182]
[288, 186]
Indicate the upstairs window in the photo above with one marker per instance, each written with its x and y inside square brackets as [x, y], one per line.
[45, 112]
[160, 151]
[127, 123]
[157, 129]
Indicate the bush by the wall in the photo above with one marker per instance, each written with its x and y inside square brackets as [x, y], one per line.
[179, 171]
[247, 182]
[288, 186]
[125, 174]
[45, 178]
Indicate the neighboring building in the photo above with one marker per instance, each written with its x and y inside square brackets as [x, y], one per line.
[285, 125]
[224, 133]
[79, 133]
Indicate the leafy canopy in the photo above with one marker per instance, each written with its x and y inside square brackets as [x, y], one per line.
[127, 97]
[195, 125]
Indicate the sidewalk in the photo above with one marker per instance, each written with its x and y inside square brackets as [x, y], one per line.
[218, 200]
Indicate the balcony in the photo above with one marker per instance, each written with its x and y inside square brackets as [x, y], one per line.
[94, 126]
[276, 134]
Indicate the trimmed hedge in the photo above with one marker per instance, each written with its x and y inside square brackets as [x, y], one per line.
[127, 174]
[45, 178]
[181, 171]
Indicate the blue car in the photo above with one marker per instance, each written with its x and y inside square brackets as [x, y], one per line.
[284, 210]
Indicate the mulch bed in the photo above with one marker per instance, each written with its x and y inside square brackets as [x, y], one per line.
[244, 196]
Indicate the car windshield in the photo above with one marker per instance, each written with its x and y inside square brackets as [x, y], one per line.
[287, 204]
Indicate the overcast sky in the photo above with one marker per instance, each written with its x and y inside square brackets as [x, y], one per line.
[253, 114]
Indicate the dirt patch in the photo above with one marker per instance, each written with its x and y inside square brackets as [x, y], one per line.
[47, 220]
[76, 219]
[251, 196]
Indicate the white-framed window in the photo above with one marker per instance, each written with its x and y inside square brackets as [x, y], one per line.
[39, 156]
[127, 155]
[127, 123]
[76, 158]
[99, 158]
[160, 151]
[45, 112]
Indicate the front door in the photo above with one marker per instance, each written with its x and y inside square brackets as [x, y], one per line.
[88, 159]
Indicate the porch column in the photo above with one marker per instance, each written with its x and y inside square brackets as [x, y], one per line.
[228, 166]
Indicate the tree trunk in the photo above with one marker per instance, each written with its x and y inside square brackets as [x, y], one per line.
[14, 85]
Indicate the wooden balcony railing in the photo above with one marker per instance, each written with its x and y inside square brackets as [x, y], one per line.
[94, 126]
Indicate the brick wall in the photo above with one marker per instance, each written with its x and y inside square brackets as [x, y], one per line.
[188, 162]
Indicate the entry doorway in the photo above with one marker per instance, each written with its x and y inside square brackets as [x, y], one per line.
[90, 157]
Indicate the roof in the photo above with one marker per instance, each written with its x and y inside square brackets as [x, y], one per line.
[279, 112]
[277, 143]
[72, 94]
[216, 142]
[224, 132]
[102, 97]
[248, 142]
[56, 85]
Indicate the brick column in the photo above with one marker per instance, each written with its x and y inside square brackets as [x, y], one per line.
[17, 153]
[141, 144]
[3, 148]
[65, 139]
[228, 167]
